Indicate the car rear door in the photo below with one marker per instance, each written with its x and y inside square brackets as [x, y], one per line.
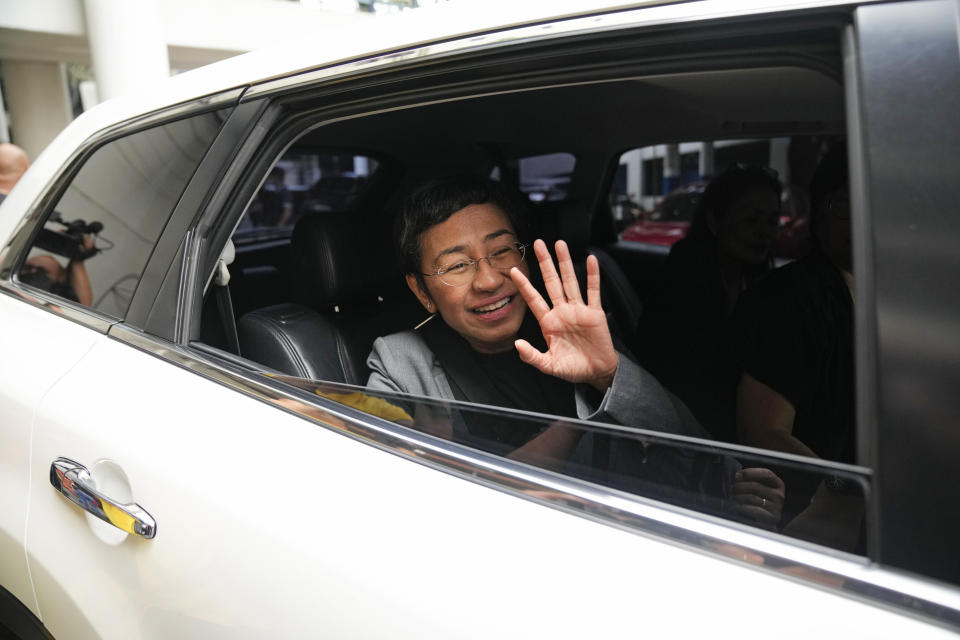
[280, 512]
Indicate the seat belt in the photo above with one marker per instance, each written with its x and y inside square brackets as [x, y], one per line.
[221, 282]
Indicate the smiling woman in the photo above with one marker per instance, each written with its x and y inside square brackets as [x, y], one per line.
[476, 298]
[463, 258]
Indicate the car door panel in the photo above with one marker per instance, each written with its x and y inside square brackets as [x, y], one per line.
[29, 373]
[338, 537]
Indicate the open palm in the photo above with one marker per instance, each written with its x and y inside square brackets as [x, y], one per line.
[579, 346]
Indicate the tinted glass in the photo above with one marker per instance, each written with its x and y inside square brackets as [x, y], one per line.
[656, 206]
[96, 242]
[304, 182]
[711, 478]
[543, 178]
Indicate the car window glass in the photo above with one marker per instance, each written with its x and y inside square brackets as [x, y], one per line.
[543, 178]
[703, 476]
[656, 189]
[314, 307]
[97, 239]
[300, 183]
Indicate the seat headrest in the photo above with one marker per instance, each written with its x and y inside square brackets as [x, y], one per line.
[341, 258]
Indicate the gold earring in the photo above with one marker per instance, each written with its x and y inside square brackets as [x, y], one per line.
[429, 318]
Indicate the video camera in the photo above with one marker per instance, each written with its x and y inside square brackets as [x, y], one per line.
[69, 242]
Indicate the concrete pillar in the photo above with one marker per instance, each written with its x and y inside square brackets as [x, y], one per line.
[4, 126]
[88, 94]
[38, 101]
[634, 164]
[671, 168]
[127, 45]
[706, 160]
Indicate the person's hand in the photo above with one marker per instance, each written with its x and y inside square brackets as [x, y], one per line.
[85, 248]
[579, 346]
[759, 495]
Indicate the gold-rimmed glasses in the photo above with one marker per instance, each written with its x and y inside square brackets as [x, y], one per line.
[462, 270]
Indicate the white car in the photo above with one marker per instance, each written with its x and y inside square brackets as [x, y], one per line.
[187, 449]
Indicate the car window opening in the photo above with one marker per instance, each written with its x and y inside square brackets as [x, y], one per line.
[685, 323]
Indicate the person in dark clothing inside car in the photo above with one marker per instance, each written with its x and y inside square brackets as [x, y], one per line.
[796, 393]
[684, 337]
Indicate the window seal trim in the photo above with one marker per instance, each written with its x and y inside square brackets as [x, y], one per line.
[835, 571]
[73, 311]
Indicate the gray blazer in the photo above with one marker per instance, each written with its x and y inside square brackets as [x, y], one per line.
[403, 363]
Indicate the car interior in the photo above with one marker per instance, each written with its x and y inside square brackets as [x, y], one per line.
[329, 283]
[310, 290]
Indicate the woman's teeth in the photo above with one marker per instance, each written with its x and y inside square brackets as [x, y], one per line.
[493, 307]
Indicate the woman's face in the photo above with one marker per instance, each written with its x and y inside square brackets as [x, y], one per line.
[486, 311]
[748, 230]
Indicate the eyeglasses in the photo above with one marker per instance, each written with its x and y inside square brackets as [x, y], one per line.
[462, 271]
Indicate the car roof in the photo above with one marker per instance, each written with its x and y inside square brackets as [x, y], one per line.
[450, 29]
[393, 33]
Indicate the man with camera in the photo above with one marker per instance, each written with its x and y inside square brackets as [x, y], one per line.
[72, 282]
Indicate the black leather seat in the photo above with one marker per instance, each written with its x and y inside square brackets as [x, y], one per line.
[347, 292]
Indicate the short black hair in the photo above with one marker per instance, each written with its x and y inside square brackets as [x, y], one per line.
[434, 201]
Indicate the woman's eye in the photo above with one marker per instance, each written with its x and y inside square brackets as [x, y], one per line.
[456, 267]
[501, 252]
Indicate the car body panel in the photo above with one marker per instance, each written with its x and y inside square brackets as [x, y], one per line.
[38, 353]
[326, 544]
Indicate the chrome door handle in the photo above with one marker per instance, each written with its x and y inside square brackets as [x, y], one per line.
[73, 481]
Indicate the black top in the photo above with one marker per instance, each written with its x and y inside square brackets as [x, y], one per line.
[798, 340]
[499, 379]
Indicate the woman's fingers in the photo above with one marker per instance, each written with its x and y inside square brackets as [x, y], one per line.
[593, 282]
[761, 475]
[550, 278]
[571, 288]
[534, 300]
[759, 485]
[759, 495]
[563, 286]
[759, 515]
[529, 354]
